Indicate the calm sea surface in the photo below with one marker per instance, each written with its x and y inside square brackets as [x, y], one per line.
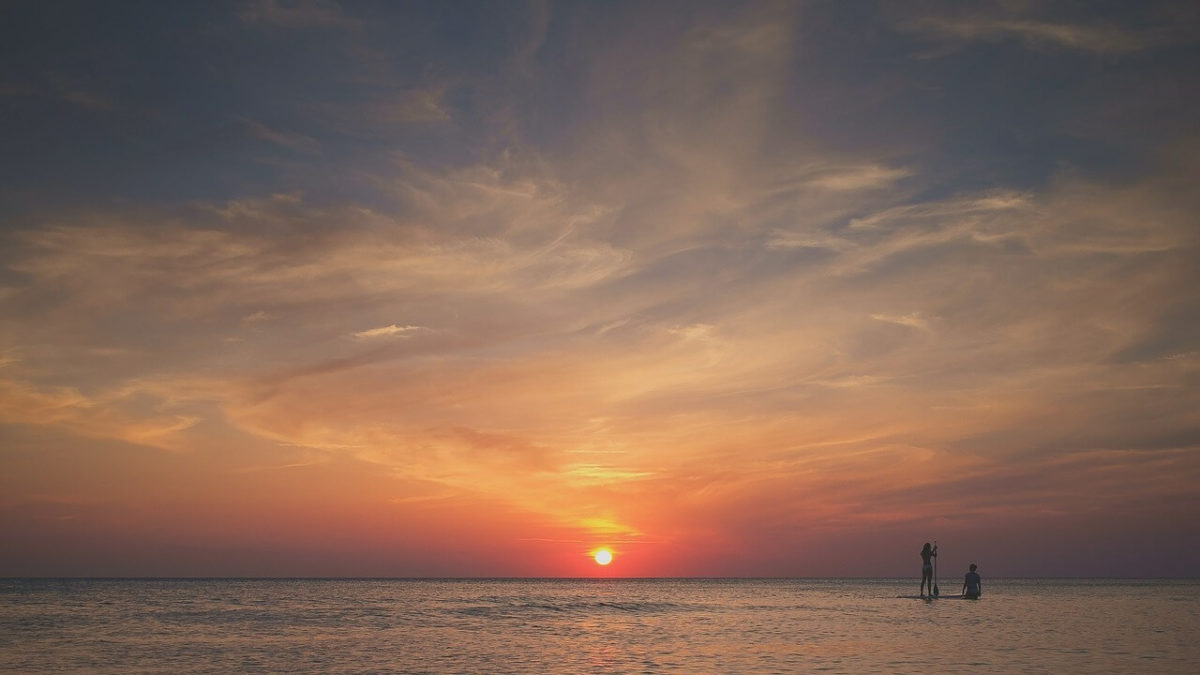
[574, 626]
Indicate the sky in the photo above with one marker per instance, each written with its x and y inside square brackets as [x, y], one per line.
[317, 288]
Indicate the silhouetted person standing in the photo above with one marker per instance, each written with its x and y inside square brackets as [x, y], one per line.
[927, 555]
[972, 585]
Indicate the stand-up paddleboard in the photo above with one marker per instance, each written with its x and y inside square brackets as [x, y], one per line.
[931, 598]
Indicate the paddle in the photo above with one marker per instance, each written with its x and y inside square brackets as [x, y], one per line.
[935, 588]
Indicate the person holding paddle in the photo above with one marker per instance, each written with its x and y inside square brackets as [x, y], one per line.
[928, 553]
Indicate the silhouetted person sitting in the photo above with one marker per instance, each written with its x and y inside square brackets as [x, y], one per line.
[927, 555]
[972, 585]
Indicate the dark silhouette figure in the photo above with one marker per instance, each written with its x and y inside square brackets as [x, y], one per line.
[972, 585]
[927, 555]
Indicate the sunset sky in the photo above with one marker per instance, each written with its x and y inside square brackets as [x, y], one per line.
[308, 288]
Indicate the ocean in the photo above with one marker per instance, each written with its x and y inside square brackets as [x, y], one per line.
[595, 626]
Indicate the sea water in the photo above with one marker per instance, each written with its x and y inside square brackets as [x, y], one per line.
[595, 626]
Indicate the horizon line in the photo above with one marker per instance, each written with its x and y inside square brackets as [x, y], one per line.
[575, 578]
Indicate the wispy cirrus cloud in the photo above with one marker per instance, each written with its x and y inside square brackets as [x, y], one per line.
[860, 178]
[391, 330]
[284, 139]
[1091, 38]
[80, 93]
[913, 320]
[415, 105]
[1036, 28]
[673, 368]
[104, 415]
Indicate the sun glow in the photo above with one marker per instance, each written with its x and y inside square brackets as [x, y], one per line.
[603, 556]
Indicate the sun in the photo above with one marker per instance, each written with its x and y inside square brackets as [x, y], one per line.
[603, 556]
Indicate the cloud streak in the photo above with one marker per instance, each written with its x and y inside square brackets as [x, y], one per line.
[388, 331]
[1038, 28]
